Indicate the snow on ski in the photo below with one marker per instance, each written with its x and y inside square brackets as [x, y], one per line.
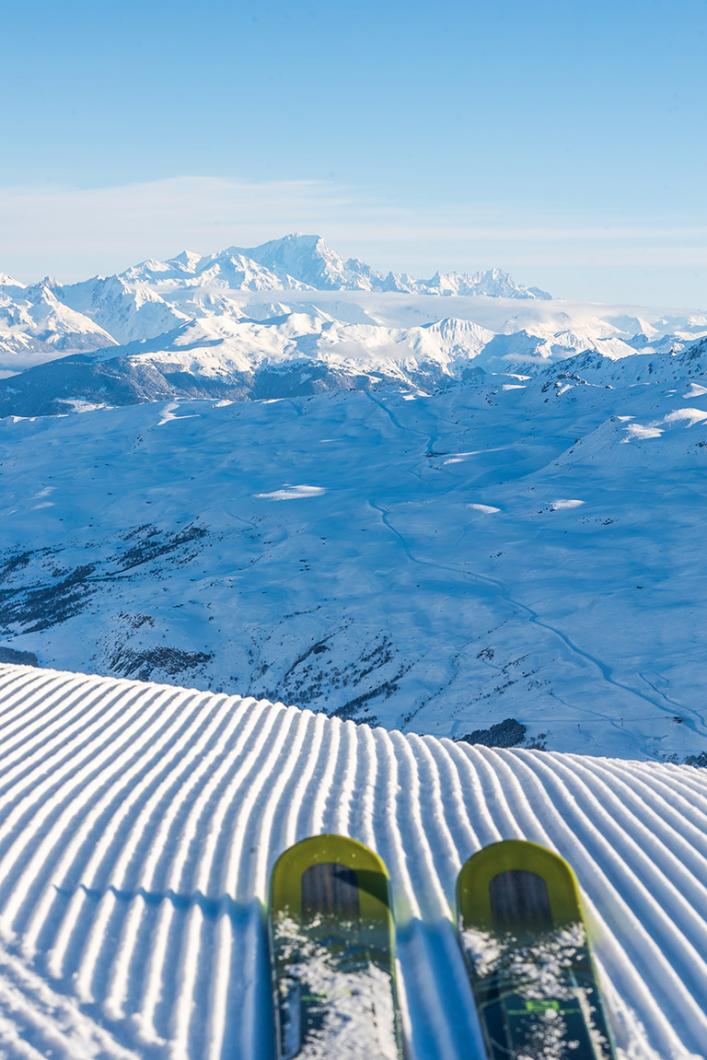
[331, 937]
[524, 937]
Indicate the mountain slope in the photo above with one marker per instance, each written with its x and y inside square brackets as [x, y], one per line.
[309, 260]
[36, 326]
[217, 356]
[497, 550]
[127, 311]
[225, 353]
[142, 821]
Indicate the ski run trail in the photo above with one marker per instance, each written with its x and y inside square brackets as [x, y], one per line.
[139, 824]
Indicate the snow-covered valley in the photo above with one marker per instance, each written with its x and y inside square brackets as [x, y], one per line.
[518, 560]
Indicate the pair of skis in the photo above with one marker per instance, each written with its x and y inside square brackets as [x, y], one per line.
[522, 933]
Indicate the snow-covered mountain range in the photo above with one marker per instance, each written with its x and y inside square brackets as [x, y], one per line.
[301, 262]
[49, 319]
[278, 351]
[287, 318]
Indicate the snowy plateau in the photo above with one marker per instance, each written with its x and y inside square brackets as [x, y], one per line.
[454, 506]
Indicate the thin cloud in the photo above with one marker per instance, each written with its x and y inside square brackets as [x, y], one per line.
[73, 232]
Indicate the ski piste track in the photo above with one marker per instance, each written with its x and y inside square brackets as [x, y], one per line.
[139, 824]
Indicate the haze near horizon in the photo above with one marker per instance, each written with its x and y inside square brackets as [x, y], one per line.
[561, 143]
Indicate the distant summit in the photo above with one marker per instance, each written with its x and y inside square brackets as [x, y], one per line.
[310, 260]
[307, 262]
[493, 283]
[9, 281]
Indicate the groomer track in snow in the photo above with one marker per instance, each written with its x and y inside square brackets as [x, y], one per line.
[139, 823]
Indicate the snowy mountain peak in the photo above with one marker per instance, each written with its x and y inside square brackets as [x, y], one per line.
[9, 281]
[238, 269]
[454, 329]
[493, 283]
[127, 310]
[42, 291]
[307, 258]
[179, 268]
[401, 282]
[186, 259]
[36, 326]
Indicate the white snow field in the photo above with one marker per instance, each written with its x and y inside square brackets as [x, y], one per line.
[441, 563]
[139, 823]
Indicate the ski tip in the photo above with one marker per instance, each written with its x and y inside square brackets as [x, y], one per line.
[330, 846]
[349, 854]
[478, 873]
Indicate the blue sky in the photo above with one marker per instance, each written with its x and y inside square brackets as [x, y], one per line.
[565, 141]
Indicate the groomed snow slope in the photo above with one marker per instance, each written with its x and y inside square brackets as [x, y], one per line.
[139, 824]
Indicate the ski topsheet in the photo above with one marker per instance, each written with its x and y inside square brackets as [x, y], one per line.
[331, 938]
[525, 942]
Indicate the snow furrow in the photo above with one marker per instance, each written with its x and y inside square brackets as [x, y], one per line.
[447, 854]
[636, 878]
[656, 813]
[617, 965]
[601, 871]
[139, 824]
